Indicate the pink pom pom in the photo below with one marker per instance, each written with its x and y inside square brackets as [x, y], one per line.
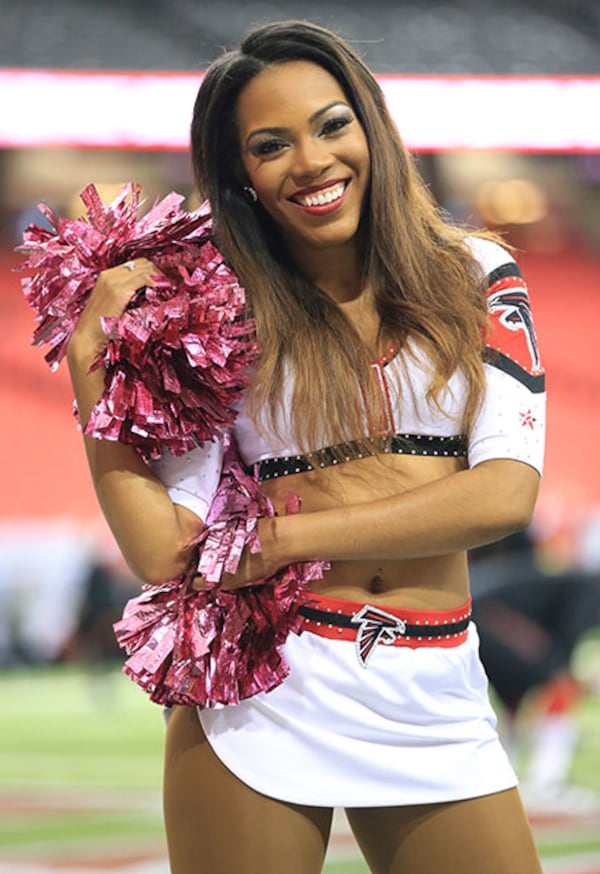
[178, 358]
[214, 647]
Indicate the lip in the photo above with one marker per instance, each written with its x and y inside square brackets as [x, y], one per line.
[325, 208]
[314, 189]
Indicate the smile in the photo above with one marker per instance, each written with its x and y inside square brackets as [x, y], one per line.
[322, 200]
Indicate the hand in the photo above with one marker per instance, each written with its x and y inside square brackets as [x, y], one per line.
[114, 289]
[254, 567]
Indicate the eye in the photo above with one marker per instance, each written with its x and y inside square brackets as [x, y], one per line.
[333, 125]
[268, 147]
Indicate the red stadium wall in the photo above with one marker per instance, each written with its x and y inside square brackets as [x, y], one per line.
[44, 471]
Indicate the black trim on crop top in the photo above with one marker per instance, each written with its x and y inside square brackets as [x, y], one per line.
[398, 444]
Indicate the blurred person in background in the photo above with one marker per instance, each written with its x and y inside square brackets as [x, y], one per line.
[529, 625]
[106, 587]
[408, 442]
[40, 589]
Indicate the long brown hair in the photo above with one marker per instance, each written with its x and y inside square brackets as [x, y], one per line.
[426, 283]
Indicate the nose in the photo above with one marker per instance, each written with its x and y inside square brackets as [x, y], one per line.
[311, 158]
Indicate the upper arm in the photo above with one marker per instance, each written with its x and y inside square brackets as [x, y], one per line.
[514, 486]
[164, 545]
[191, 479]
[511, 420]
[189, 523]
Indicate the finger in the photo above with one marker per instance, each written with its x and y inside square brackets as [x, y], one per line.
[231, 583]
[140, 267]
[227, 583]
[198, 583]
[118, 285]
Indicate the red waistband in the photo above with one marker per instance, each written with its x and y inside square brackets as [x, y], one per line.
[370, 624]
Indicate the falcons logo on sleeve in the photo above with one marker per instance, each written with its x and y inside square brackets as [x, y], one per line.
[375, 626]
[513, 312]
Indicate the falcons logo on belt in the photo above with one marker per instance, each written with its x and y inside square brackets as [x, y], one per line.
[514, 312]
[375, 626]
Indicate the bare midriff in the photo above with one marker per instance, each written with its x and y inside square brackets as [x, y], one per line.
[436, 583]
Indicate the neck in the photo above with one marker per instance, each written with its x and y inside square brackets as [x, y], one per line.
[337, 271]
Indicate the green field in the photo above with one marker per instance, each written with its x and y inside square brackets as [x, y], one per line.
[80, 774]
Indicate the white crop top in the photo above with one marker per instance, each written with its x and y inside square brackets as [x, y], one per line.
[510, 423]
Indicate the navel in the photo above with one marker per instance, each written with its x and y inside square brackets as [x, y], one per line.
[376, 585]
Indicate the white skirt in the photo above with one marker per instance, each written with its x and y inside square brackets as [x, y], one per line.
[415, 726]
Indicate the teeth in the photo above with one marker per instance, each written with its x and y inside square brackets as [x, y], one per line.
[323, 197]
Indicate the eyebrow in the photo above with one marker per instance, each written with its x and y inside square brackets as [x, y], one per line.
[282, 130]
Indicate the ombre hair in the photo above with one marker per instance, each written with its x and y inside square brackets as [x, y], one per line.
[425, 281]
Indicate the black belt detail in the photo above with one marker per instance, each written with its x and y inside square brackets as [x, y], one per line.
[398, 444]
[341, 620]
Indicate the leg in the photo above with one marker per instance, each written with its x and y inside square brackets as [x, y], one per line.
[488, 834]
[217, 825]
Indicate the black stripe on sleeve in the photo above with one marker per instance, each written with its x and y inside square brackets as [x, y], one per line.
[535, 383]
[509, 269]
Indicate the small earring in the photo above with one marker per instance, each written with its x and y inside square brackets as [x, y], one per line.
[251, 193]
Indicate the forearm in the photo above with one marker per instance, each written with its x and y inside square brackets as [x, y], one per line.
[458, 512]
[154, 535]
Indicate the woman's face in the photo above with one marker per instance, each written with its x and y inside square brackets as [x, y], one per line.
[305, 154]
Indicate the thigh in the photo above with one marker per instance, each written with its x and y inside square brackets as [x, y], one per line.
[216, 824]
[488, 834]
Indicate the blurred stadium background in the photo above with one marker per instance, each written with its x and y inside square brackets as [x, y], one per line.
[501, 103]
